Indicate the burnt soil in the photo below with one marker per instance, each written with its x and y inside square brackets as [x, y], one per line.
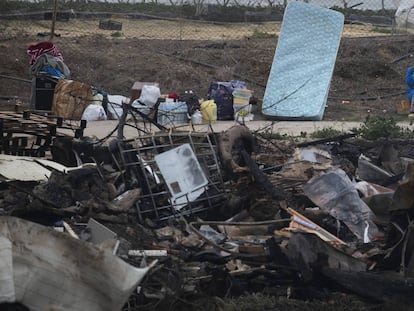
[368, 77]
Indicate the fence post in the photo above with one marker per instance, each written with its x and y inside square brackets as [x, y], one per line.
[52, 31]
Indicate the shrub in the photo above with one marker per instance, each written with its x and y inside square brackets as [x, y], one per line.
[380, 127]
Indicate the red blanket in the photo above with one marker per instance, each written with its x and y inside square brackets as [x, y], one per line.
[43, 47]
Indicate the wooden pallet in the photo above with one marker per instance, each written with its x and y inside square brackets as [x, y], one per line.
[29, 133]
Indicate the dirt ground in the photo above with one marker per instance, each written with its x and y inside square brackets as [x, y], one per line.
[368, 77]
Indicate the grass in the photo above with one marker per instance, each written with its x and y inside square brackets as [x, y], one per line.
[257, 34]
[383, 127]
[387, 30]
[326, 132]
[373, 128]
[261, 302]
[116, 34]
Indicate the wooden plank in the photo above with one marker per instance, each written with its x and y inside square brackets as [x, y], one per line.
[18, 129]
[300, 222]
[26, 118]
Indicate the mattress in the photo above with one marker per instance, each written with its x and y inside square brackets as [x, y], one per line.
[302, 68]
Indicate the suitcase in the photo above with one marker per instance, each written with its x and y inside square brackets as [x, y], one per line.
[43, 88]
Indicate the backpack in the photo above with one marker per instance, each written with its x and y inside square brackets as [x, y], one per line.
[192, 101]
[222, 94]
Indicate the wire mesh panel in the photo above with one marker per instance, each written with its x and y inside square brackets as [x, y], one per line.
[205, 20]
[137, 161]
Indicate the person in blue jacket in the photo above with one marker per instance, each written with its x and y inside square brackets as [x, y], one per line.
[409, 80]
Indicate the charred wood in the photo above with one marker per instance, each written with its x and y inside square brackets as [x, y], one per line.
[377, 286]
[261, 179]
[231, 143]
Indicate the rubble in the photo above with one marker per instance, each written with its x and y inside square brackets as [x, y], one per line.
[44, 270]
[211, 215]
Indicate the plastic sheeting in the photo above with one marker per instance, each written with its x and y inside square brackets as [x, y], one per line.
[47, 270]
[23, 168]
[404, 16]
[334, 192]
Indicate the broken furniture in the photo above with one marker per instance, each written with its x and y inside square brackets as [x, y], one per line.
[31, 134]
[162, 196]
[44, 269]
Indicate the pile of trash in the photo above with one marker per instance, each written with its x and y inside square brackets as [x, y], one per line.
[152, 222]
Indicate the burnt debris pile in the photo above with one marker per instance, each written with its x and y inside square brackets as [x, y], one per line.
[165, 220]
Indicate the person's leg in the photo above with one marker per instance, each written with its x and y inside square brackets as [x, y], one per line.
[411, 114]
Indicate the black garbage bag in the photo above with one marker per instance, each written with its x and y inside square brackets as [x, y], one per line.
[222, 94]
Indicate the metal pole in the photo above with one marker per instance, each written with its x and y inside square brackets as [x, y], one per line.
[52, 31]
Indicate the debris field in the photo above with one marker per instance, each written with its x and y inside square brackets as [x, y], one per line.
[171, 216]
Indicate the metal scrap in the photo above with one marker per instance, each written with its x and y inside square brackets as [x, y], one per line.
[270, 224]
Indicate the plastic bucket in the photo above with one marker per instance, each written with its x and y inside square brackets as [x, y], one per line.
[241, 100]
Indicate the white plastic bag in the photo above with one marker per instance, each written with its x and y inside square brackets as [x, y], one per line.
[142, 108]
[115, 106]
[149, 95]
[94, 113]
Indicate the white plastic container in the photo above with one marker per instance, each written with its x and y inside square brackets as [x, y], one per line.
[197, 117]
[241, 100]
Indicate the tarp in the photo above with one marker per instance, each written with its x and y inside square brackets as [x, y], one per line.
[47, 270]
[404, 16]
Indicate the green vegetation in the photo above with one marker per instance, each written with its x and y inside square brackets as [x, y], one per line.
[356, 11]
[267, 134]
[326, 132]
[257, 34]
[116, 34]
[373, 128]
[383, 127]
[388, 30]
[261, 301]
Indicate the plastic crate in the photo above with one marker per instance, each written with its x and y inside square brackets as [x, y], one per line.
[172, 113]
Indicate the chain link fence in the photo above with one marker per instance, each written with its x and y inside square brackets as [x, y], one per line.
[165, 28]
[201, 20]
